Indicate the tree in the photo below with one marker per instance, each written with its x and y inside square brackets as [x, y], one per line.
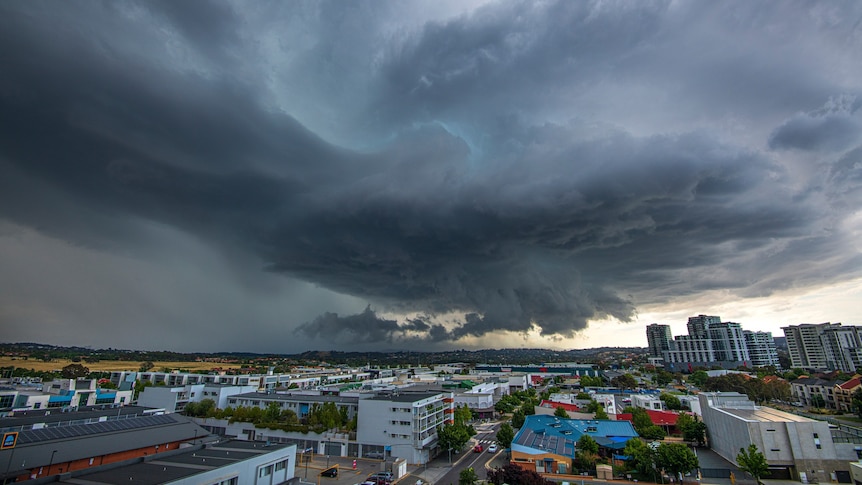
[641, 458]
[695, 432]
[587, 443]
[514, 474]
[462, 415]
[857, 402]
[671, 401]
[74, 371]
[505, 435]
[640, 419]
[560, 412]
[145, 366]
[698, 377]
[662, 377]
[583, 396]
[817, 401]
[675, 458]
[601, 414]
[752, 462]
[589, 381]
[518, 418]
[625, 381]
[468, 477]
[452, 437]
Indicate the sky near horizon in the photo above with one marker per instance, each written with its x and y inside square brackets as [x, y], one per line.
[290, 176]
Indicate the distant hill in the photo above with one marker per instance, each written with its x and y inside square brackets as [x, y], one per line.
[489, 356]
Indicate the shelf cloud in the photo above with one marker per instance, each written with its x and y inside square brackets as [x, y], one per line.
[460, 171]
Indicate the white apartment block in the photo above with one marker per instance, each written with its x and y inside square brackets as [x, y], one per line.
[301, 404]
[404, 423]
[761, 348]
[824, 346]
[709, 342]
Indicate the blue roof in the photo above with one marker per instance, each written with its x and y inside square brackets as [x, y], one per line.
[550, 434]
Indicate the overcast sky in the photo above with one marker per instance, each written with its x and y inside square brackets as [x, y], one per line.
[283, 176]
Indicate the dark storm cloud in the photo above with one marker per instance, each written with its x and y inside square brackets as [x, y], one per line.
[521, 167]
[832, 129]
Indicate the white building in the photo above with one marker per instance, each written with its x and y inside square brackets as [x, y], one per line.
[761, 348]
[824, 346]
[795, 447]
[404, 423]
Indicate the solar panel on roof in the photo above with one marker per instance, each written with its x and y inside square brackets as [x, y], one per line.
[63, 432]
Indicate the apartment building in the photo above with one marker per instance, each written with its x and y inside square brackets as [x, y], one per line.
[804, 390]
[711, 342]
[761, 348]
[659, 339]
[175, 398]
[824, 346]
[405, 423]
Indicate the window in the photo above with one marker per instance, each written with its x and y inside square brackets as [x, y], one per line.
[281, 465]
[266, 471]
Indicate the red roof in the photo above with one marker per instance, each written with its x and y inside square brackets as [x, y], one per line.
[658, 418]
[554, 405]
[851, 384]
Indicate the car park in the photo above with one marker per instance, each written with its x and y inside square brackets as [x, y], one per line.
[383, 475]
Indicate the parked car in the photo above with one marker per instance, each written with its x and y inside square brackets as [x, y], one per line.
[377, 455]
[492, 448]
[478, 449]
[330, 472]
[384, 475]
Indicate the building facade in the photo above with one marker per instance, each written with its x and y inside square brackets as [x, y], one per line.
[795, 447]
[659, 339]
[761, 348]
[404, 423]
[824, 346]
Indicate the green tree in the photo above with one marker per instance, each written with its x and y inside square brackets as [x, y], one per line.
[505, 435]
[587, 443]
[695, 432]
[752, 462]
[462, 415]
[583, 396]
[560, 412]
[601, 414]
[625, 381]
[468, 477]
[670, 401]
[452, 437]
[857, 402]
[518, 418]
[191, 409]
[74, 371]
[675, 458]
[641, 458]
[145, 366]
[652, 433]
[662, 377]
[640, 419]
[589, 381]
[817, 401]
[698, 377]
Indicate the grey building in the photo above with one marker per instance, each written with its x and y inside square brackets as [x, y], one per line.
[659, 339]
[824, 346]
[795, 447]
[709, 342]
[761, 348]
